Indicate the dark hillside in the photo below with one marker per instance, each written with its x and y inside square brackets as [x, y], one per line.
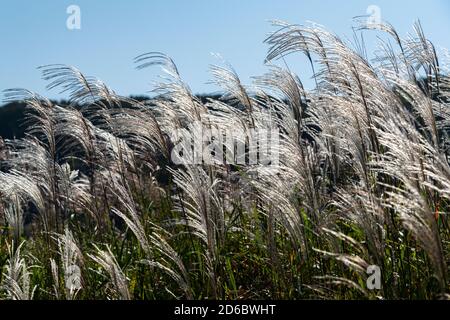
[11, 118]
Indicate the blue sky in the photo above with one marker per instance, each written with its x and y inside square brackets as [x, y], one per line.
[34, 33]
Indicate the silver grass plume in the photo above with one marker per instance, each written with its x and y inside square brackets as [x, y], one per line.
[118, 280]
[17, 276]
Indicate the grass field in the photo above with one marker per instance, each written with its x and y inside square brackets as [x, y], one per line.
[99, 201]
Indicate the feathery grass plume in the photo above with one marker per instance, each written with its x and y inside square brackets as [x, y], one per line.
[275, 195]
[15, 184]
[87, 94]
[422, 54]
[422, 107]
[173, 92]
[298, 154]
[3, 151]
[362, 106]
[411, 160]
[75, 191]
[38, 150]
[235, 92]
[117, 154]
[176, 107]
[32, 159]
[14, 219]
[388, 58]
[55, 275]
[128, 211]
[417, 217]
[340, 281]
[353, 261]
[170, 261]
[342, 69]
[17, 276]
[296, 182]
[83, 90]
[77, 132]
[201, 211]
[362, 208]
[71, 259]
[141, 130]
[118, 280]
[39, 119]
[356, 262]
[151, 242]
[288, 87]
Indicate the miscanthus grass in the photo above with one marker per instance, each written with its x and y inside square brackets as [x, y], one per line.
[93, 205]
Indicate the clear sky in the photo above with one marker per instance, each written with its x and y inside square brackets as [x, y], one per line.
[113, 32]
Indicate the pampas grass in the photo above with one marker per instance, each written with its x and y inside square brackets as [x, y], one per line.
[362, 179]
